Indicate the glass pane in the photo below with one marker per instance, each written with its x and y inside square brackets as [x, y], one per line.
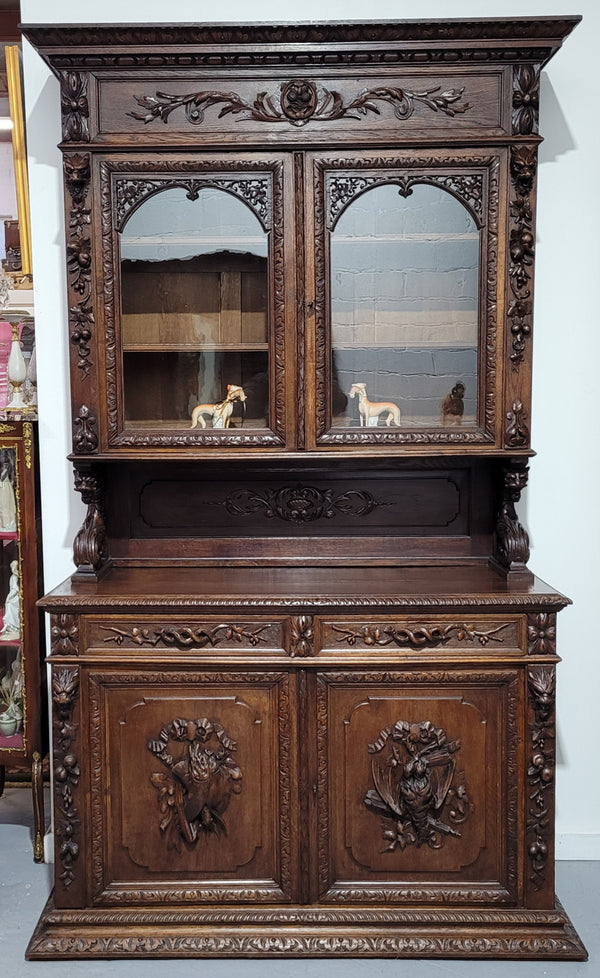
[194, 312]
[404, 310]
[11, 680]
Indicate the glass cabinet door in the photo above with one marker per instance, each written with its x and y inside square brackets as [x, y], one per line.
[403, 315]
[199, 330]
[12, 691]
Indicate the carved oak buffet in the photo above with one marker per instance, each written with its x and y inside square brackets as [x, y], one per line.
[303, 680]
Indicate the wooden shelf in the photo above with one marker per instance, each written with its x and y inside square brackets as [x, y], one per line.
[195, 348]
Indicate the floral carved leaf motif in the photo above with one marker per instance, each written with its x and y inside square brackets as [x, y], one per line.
[75, 107]
[522, 250]
[76, 168]
[299, 101]
[526, 99]
[65, 692]
[201, 776]
[540, 772]
[301, 504]
[255, 191]
[416, 791]
[188, 636]
[417, 638]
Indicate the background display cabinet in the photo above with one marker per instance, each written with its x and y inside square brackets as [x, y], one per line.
[302, 677]
[21, 740]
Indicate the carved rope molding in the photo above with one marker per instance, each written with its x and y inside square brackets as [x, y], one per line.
[299, 101]
[301, 504]
[540, 772]
[417, 638]
[65, 692]
[412, 797]
[523, 163]
[187, 636]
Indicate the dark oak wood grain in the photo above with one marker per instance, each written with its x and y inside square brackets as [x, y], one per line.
[303, 679]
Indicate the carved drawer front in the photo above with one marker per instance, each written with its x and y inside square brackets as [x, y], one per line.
[216, 636]
[417, 786]
[419, 635]
[300, 108]
[190, 787]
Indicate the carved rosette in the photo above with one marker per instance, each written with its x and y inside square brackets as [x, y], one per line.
[74, 106]
[90, 544]
[301, 636]
[298, 102]
[540, 772]
[523, 163]
[526, 99]
[300, 504]
[76, 169]
[65, 692]
[202, 776]
[541, 634]
[64, 634]
[512, 541]
[416, 790]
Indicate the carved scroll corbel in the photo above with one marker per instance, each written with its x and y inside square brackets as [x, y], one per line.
[511, 551]
[90, 545]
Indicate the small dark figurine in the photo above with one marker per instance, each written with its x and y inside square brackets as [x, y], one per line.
[452, 406]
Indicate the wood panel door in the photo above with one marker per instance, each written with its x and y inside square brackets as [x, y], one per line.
[417, 786]
[191, 778]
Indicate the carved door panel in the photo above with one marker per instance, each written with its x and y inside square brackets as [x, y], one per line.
[417, 786]
[191, 774]
[405, 274]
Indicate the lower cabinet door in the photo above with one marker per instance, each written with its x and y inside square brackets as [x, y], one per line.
[417, 786]
[191, 774]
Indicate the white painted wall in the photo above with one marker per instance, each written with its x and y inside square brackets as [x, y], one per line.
[562, 506]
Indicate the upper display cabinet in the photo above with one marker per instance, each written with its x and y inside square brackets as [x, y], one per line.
[312, 238]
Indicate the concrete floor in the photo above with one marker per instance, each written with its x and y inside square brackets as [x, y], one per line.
[24, 887]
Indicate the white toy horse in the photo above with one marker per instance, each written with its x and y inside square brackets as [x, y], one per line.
[369, 411]
[221, 412]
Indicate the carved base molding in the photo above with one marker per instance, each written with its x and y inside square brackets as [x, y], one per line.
[301, 931]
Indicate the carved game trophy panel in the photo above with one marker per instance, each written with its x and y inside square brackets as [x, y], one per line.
[421, 806]
[200, 765]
